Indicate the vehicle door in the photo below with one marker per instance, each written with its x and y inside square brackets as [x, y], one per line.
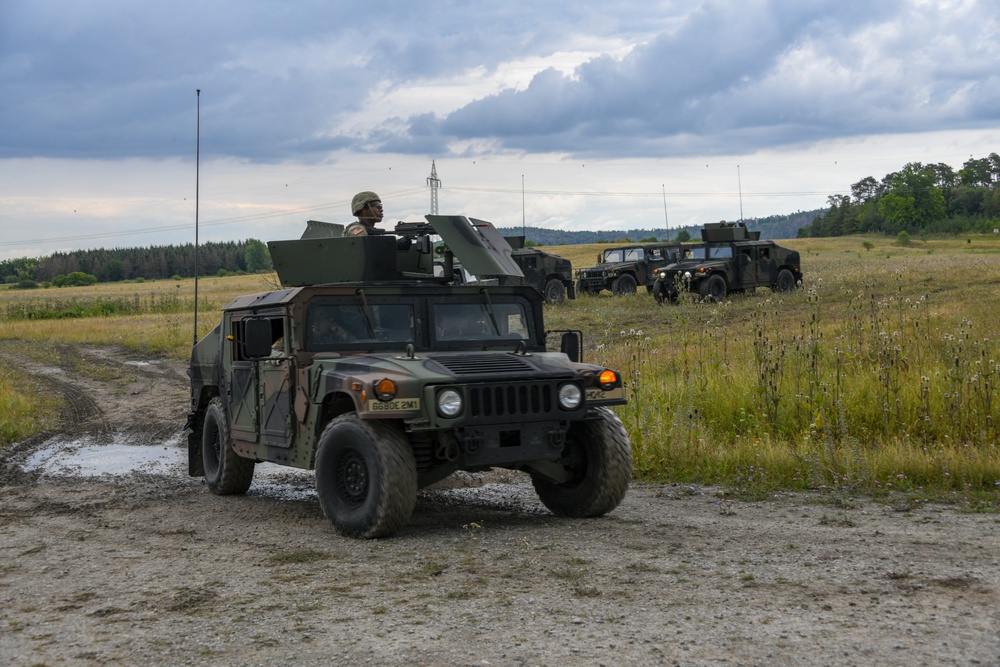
[275, 388]
[767, 269]
[529, 266]
[655, 258]
[241, 394]
[746, 266]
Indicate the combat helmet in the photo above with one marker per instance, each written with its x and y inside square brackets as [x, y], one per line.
[361, 200]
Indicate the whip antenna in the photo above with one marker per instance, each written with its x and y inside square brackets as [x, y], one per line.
[197, 181]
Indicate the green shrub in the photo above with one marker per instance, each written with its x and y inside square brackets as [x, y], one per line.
[75, 279]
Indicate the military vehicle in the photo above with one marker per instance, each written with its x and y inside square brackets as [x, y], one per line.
[550, 274]
[385, 378]
[622, 269]
[731, 259]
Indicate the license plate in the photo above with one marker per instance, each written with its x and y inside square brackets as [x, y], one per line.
[601, 395]
[375, 405]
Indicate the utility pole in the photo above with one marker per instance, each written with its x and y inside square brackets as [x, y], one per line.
[434, 182]
[666, 221]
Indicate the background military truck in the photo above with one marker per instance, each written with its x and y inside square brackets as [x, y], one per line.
[550, 274]
[385, 378]
[623, 269]
[732, 259]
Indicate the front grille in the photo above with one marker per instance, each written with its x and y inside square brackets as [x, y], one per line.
[511, 402]
[484, 364]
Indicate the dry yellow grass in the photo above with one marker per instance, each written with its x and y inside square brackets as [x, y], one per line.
[882, 370]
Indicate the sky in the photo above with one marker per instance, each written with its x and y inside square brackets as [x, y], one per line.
[563, 114]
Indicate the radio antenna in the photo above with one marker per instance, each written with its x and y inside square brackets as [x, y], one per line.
[739, 183]
[197, 182]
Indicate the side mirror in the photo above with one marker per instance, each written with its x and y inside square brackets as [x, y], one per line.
[256, 337]
[570, 345]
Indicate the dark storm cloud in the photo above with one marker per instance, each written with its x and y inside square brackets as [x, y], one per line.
[280, 81]
[776, 73]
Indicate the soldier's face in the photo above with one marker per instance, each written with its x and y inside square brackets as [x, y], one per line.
[375, 211]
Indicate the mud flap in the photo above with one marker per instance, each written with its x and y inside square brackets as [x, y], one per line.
[196, 466]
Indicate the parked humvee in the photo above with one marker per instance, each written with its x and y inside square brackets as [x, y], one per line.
[731, 259]
[622, 269]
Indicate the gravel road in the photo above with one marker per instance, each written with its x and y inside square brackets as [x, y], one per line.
[138, 563]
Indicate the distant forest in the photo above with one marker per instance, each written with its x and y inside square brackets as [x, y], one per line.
[771, 227]
[153, 263]
[918, 199]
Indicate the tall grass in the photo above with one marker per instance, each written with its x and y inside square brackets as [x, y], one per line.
[154, 317]
[880, 374]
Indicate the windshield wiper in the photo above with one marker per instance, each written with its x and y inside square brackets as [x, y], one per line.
[489, 311]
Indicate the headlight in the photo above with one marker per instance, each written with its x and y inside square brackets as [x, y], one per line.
[570, 396]
[449, 403]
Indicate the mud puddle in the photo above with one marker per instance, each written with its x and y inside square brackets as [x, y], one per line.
[117, 455]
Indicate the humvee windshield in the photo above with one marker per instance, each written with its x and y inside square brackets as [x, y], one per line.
[335, 325]
[480, 322]
[714, 252]
[623, 255]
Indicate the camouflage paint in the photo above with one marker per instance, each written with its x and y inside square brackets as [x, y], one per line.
[279, 405]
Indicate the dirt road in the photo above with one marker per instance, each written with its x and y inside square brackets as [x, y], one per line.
[142, 565]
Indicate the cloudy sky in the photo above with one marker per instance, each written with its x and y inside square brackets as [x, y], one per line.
[562, 113]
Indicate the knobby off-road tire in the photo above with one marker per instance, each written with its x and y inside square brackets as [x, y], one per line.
[555, 291]
[714, 288]
[599, 457]
[226, 472]
[623, 285]
[785, 282]
[366, 477]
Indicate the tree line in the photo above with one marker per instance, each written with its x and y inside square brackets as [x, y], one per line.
[152, 263]
[918, 199]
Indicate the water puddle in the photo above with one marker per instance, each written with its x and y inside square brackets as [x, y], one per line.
[116, 456]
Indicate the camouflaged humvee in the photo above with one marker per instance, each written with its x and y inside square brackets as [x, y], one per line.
[622, 269]
[550, 274]
[385, 378]
[731, 259]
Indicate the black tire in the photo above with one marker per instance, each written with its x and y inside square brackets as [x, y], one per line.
[555, 291]
[366, 477]
[226, 472]
[582, 289]
[599, 457]
[713, 288]
[623, 285]
[785, 282]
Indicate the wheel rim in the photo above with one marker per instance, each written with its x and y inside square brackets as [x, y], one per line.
[575, 463]
[352, 479]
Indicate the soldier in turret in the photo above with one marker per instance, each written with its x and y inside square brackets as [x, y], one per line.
[367, 206]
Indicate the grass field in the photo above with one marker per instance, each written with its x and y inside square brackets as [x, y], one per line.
[881, 374]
